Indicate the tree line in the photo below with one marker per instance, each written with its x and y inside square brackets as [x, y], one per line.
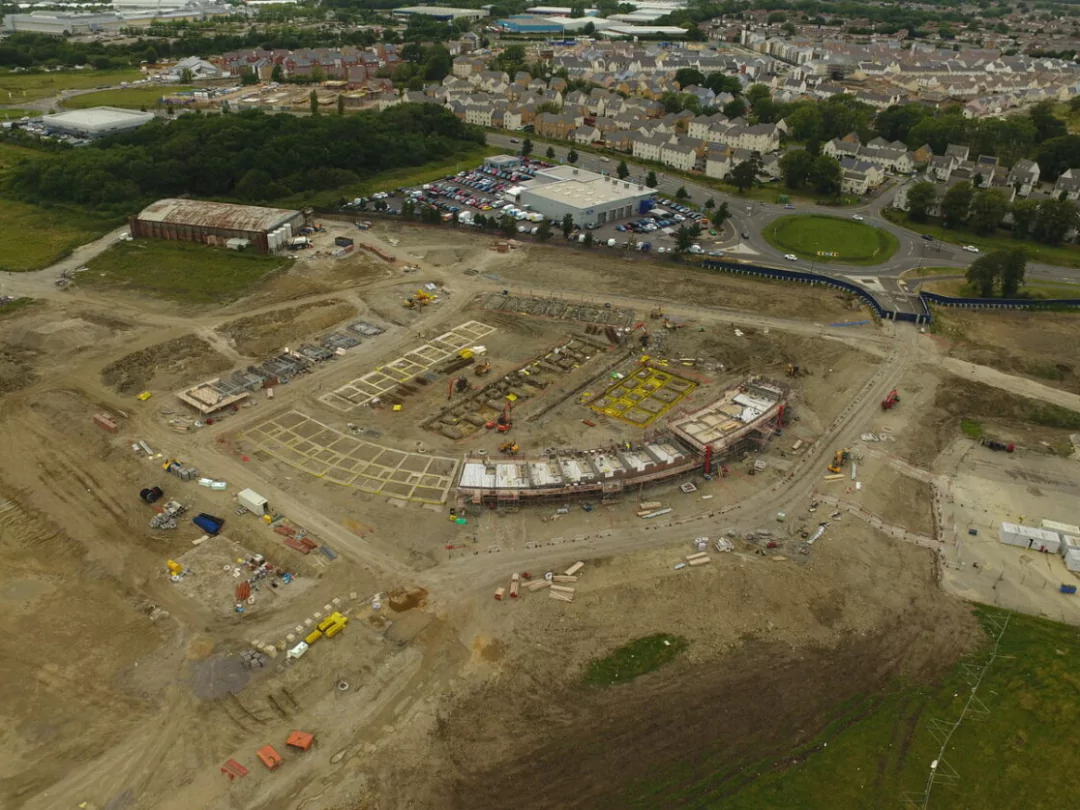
[250, 156]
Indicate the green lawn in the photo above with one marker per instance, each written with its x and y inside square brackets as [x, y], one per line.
[923, 272]
[635, 659]
[182, 271]
[10, 114]
[1033, 288]
[1023, 754]
[1063, 255]
[20, 87]
[809, 236]
[34, 237]
[132, 98]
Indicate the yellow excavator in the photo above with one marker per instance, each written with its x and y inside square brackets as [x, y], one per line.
[509, 447]
[839, 460]
[421, 299]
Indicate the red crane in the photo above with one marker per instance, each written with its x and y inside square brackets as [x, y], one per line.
[891, 400]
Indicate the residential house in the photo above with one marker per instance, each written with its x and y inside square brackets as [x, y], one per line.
[647, 147]
[1068, 184]
[1024, 176]
[757, 138]
[620, 139]
[584, 135]
[700, 127]
[556, 125]
[718, 162]
[940, 168]
[679, 153]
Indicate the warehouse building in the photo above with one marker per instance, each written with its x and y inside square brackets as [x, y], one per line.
[529, 24]
[442, 13]
[213, 223]
[590, 199]
[94, 122]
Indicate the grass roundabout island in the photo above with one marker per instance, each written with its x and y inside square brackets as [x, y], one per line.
[830, 239]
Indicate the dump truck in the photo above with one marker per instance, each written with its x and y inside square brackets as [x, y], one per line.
[328, 627]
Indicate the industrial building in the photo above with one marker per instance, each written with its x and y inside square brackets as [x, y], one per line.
[94, 122]
[444, 13]
[264, 229]
[530, 24]
[589, 198]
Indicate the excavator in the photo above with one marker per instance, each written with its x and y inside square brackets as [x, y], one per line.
[839, 460]
[482, 368]
[509, 447]
[420, 300]
[644, 332]
[657, 313]
[793, 370]
[503, 423]
[891, 400]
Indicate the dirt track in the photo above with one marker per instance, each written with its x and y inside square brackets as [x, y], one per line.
[147, 739]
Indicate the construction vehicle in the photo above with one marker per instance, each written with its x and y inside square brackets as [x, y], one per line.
[670, 324]
[328, 627]
[657, 313]
[503, 423]
[793, 370]
[839, 460]
[644, 332]
[482, 368]
[419, 300]
[509, 447]
[892, 399]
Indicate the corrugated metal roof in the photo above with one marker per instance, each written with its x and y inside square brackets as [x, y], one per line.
[226, 216]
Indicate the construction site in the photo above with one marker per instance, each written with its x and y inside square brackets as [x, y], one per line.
[327, 545]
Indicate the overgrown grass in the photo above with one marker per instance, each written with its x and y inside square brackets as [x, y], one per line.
[181, 271]
[1034, 290]
[132, 98]
[9, 114]
[971, 428]
[1062, 255]
[635, 659]
[19, 87]
[810, 235]
[875, 750]
[1046, 371]
[10, 154]
[923, 272]
[33, 237]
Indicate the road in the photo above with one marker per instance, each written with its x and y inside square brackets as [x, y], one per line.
[751, 216]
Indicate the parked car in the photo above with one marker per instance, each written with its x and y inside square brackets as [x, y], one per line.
[971, 249]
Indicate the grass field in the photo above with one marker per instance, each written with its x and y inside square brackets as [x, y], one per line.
[1034, 289]
[182, 271]
[20, 87]
[1063, 255]
[635, 659]
[34, 237]
[879, 748]
[810, 235]
[132, 98]
[10, 114]
[19, 304]
[11, 154]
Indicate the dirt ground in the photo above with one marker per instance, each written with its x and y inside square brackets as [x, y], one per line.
[1025, 343]
[133, 692]
[261, 335]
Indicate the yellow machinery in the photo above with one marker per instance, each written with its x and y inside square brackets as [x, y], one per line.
[793, 370]
[838, 460]
[510, 448]
[329, 627]
[175, 568]
[421, 299]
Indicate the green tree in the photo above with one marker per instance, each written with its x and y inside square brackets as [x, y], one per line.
[313, 101]
[920, 198]
[1047, 125]
[508, 225]
[550, 153]
[341, 104]
[276, 75]
[795, 167]
[543, 232]
[1055, 219]
[1056, 155]
[710, 204]
[622, 170]
[1013, 272]
[805, 123]
[756, 93]
[983, 273]
[248, 78]
[526, 147]
[572, 156]
[650, 179]
[723, 83]
[721, 214]
[682, 193]
[684, 77]
[956, 204]
[735, 108]
[825, 175]
[1024, 214]
[895, 123]
[186, 76]
[988, 208]
[589, 29]
[683, 239]
[745, 174]
[1074, 104]
[588, 241]
[150, 55]
[567, 226]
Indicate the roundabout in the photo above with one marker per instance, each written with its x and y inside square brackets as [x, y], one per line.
[830, 239]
